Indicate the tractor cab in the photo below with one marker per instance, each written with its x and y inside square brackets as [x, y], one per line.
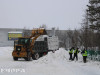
[22, 44]
[24, 41]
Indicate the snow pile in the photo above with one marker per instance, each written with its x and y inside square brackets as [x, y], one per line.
[59, 55]
[5, 51]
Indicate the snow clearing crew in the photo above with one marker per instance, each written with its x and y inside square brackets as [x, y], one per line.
[71, 52]
[76, 51]
[84, 54]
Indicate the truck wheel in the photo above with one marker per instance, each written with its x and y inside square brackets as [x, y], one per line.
[35, 56]
[15, 58]
[45, 53]
[28, 58]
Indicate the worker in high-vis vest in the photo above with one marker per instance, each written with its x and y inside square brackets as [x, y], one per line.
[84, 54]
[76, 51]
[71, 52]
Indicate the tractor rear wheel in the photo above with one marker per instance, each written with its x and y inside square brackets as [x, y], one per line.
[35, 56]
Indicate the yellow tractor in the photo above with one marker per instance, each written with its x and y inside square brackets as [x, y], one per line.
[24, 47]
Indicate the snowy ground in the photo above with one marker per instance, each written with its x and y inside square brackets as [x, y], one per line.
[52, 64]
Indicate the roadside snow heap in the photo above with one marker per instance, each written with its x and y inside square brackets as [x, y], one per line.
[58, 55]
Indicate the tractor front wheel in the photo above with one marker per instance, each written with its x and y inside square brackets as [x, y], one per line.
[15, 58]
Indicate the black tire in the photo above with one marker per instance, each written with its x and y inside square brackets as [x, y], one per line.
[45, 53]
[15, 58]
[35, 56]
[28, 58]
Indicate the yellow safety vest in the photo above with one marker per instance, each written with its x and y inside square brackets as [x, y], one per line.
[85, 54]
[71, 51]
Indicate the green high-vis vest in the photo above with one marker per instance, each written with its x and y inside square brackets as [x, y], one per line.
[85, 54]
[71, 51]
[76, 51]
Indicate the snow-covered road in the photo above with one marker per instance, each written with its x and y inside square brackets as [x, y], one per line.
[52, 64]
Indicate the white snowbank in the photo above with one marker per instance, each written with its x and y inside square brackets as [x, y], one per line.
[59, 55]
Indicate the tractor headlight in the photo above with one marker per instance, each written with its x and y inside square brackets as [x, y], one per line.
[18, 49]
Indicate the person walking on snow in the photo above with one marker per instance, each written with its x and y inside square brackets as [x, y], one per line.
[71, 52]
[76, 51]
[84, 54]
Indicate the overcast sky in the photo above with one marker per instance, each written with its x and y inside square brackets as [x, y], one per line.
[64, 14]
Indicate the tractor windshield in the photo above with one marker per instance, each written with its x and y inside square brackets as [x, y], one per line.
[24, 41]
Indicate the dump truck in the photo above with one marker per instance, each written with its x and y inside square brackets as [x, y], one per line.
[46, 43]
[35, 46]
